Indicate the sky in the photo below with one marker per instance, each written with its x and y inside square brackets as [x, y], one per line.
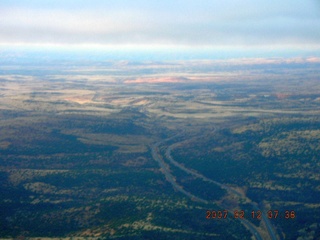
[267, 25]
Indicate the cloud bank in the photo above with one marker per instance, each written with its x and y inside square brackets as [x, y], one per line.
[203, 23]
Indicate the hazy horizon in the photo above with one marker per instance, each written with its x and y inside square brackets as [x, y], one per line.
[165, 30]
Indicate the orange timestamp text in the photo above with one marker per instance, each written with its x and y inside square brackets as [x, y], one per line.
[254, 214]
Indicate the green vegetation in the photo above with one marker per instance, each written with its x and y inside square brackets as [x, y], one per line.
[84, 154]
[274, 160]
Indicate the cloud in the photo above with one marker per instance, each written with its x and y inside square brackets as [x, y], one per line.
[191, 23]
